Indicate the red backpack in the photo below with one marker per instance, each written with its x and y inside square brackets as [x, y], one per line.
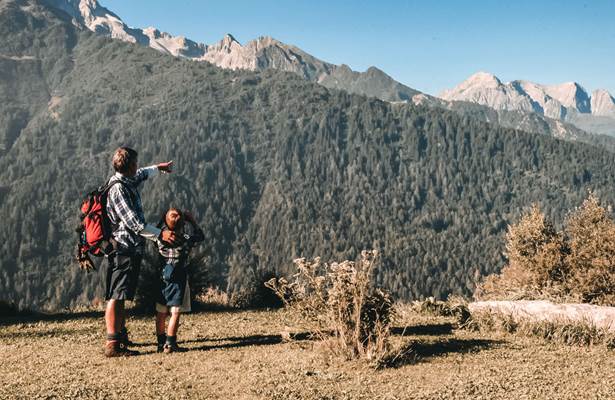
[95, 228]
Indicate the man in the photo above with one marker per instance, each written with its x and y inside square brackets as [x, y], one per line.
[130, 230]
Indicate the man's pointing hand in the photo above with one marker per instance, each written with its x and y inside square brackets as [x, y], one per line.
[166, 167]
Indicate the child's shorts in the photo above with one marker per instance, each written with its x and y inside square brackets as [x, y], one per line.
[175, 291]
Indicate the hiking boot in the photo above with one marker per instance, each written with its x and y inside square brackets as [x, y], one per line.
[124, 338]
[173, 348]
[115, 348]
[162, 339]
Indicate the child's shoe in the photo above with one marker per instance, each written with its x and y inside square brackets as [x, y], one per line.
[173, 348]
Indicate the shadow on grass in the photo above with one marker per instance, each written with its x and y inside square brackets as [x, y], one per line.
[237, 342]
[24, 317]
[426, 329]
[252, 340]
[422, 351]
[32, 317]
[49, 333]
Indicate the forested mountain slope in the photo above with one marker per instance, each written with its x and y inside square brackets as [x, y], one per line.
[273, 166]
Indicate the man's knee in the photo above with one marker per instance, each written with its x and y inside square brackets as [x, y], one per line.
[115, 304]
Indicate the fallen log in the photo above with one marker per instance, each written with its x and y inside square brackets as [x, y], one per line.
[541, 310]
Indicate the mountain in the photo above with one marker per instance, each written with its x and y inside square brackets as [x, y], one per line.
[274, 167]
[567, 102]
[602, 103]
[91, 15]
[256, 55]
[268, 53]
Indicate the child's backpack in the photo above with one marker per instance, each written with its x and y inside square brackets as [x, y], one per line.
[95, 228]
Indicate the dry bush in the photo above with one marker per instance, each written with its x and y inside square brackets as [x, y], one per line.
[591, 237]
[577, 264]
[349, 313]
[454, 306]
[212, 298]
[536, 254]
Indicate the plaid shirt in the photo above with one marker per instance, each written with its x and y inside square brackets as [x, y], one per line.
[187, 237]
[126, 211]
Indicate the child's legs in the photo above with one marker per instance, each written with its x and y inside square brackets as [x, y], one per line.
[161, 318]
[173, 322]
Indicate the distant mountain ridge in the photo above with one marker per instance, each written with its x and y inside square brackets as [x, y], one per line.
[256, 55]
[547, 112]
[568, 102]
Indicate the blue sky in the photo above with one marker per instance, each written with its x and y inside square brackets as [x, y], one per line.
[428, 45]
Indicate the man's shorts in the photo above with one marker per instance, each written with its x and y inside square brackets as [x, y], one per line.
[122, 276]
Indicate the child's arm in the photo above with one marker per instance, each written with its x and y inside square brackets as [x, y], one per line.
[198, 235]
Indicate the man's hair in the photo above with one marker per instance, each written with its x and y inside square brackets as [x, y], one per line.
[123, 159]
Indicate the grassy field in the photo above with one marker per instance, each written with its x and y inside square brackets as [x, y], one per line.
[244, 355]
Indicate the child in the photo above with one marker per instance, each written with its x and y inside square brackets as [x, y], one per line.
[174, 295]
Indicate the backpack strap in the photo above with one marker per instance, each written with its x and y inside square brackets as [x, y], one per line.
[104, 190]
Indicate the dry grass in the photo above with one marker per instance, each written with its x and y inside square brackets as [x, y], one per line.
[243, 355]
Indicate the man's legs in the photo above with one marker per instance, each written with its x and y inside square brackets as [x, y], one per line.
[120, 285]
[161, 337]
[115, 318]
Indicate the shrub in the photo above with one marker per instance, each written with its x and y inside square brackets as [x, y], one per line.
[212, 298]
[591, 237]
[454, 306]
[8, 309]
[349, 313]
[575, 264]
[253, 293]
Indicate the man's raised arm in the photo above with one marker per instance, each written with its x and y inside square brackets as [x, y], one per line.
[149, 172]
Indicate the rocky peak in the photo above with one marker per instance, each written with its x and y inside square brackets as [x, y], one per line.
[483, 79]
[602, 103]
[571, 95]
